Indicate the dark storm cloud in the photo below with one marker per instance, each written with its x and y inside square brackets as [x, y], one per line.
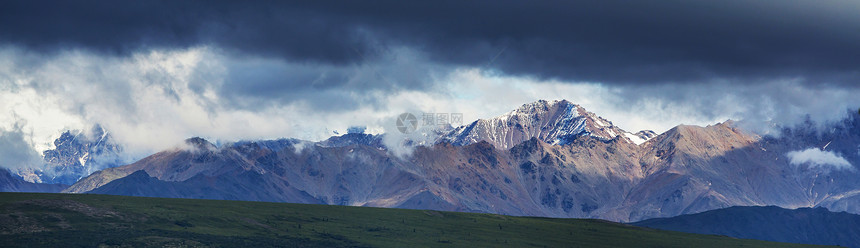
[252, 82]
[123, 27]
[618, 42]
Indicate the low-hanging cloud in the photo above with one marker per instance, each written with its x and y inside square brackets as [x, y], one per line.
[816, 158]
[152, 100]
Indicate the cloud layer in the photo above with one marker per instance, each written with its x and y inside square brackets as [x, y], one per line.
[816, 158]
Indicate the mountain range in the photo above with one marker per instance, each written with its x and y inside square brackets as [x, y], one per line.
[547, 158]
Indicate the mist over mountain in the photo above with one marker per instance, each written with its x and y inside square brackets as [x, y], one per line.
[562, 161]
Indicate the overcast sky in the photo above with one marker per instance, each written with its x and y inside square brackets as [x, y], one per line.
[156, 72]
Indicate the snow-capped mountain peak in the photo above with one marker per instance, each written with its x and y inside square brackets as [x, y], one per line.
[555, 122]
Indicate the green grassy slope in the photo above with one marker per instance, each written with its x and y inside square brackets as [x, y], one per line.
[73, 220]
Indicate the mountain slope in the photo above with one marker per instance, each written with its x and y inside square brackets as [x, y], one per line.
[803, 225]
[225, 187]
[692, 169]
[10, 183]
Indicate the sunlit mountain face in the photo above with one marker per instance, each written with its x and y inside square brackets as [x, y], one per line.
[615, 110]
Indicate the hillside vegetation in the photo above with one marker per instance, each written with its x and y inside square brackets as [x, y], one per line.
[75, 220]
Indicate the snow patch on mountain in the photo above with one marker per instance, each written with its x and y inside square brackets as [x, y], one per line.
[640, 137]
[635, 139]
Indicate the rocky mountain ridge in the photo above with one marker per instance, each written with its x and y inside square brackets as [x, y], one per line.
[75, 155]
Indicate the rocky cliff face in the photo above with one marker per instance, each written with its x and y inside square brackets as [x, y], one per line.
[75, 155]
[544, 159]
